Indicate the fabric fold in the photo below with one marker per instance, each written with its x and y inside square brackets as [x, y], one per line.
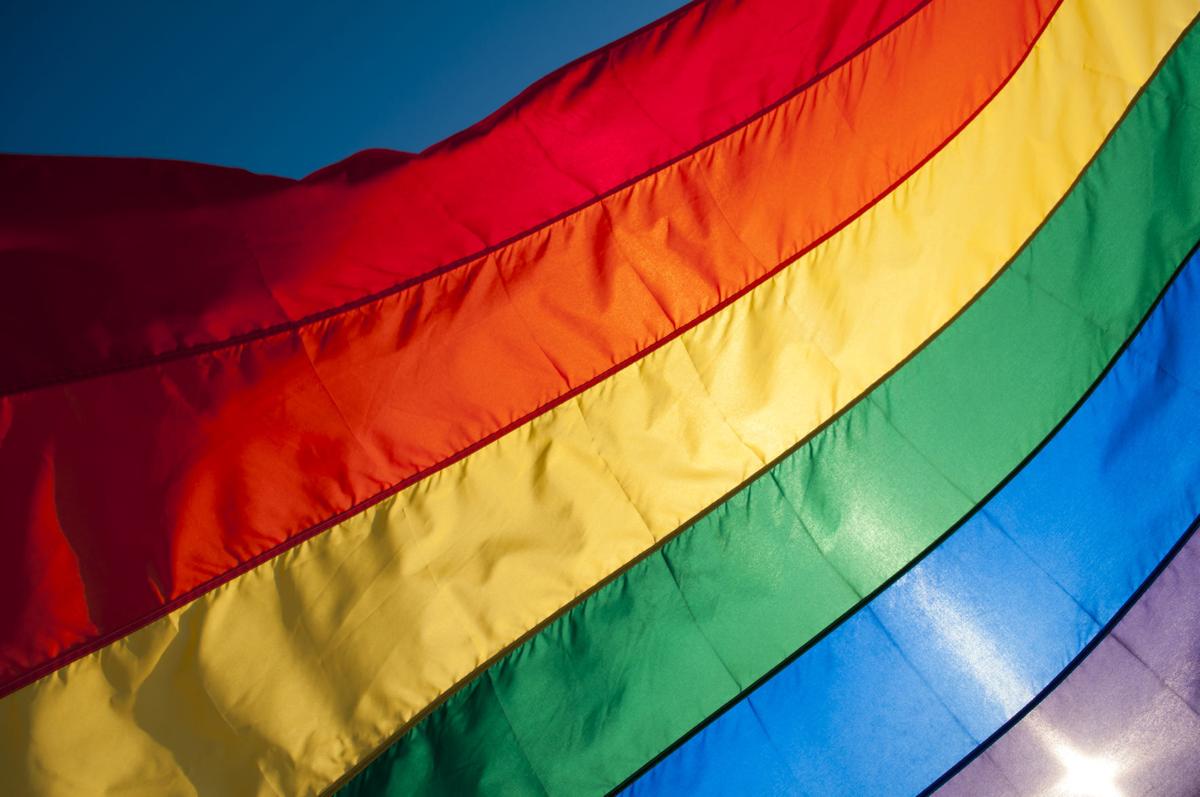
[246, 554]
[764, 574]
[1125, 719]
[960, 644]
[137, 491]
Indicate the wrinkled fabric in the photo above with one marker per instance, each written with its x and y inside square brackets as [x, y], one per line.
[250, 253]
[942, 658]
[133, 492]
[1125, 721]
[296, 670]
[602, 690]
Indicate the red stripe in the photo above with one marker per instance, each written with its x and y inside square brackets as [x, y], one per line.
[133, 493]
[111, 264]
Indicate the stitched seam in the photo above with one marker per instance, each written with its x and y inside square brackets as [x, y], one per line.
[84, 648]
[346, 307]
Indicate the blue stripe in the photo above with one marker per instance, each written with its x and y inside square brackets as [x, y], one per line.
[943, 657]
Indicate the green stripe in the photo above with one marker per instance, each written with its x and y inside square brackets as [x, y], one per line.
[597, 693]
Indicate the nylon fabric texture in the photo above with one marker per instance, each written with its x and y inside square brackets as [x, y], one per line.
[605, 688]
[255, 667]
[957, 646]
[1126, 718]
[114, 523]
[254, 253]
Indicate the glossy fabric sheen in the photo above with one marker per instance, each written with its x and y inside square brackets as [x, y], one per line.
[1127, 718]
[250, 252]
[946, 655]
[137, 489]
[299, 668]
[605, 688]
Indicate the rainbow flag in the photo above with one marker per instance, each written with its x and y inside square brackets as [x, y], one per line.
[787, 398]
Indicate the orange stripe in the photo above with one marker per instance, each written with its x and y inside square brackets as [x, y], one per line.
[134, 493]
[252, 255]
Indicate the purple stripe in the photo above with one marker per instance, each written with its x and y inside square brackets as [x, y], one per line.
[1126, 721]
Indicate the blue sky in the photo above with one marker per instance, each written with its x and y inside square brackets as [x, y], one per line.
[283, 88]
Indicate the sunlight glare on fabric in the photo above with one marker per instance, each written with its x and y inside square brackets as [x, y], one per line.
[1087, 776]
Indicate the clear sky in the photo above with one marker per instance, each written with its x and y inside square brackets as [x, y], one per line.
[278, 87]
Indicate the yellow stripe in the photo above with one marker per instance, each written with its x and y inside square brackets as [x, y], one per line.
[285, 677]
